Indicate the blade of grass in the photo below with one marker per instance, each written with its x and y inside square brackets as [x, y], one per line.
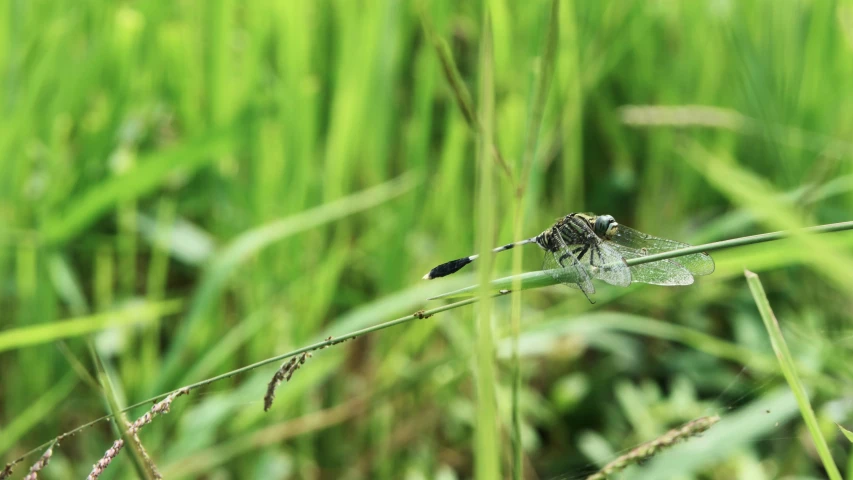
[847, 433]
[148, 174]
[41, 408]
[15, 338]
[250, 243]
[420, 315]
[537, 112]
[789, 370]
[451, 73]
[755, 194]
[486, 446]
[549, 338]
[143, 470]
[460, 91]
[537, 278]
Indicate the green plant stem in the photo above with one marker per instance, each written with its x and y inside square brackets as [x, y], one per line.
[539, 277]
[316, 346]
[487, 464]
[537, 113]
[789, 370]
[739, 242]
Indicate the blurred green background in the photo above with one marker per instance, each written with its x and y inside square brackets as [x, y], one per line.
[197, 186]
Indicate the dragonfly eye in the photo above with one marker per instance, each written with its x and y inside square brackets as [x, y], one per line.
[605, 226]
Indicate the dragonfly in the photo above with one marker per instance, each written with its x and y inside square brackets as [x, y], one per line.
[581, 247]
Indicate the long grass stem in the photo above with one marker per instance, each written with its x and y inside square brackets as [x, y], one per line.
[789, 370]
[530, 280]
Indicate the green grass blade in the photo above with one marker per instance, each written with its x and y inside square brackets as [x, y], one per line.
[451, 74]
[753, 193]
[540, 97]
[120, 423]
[789, 370]
[148, 174]
[15, 338]
[486, 437]
[847, 433]
[537, 113]
[41, 408]
[254, 241]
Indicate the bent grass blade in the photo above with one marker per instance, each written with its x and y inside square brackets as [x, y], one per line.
[789, 370]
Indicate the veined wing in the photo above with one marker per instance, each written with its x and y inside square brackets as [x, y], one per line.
[603, 262]
[566, 269]
[645, 244]
[664, 272]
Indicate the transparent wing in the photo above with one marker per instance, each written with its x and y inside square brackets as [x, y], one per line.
[603, 262]
[566, 269]
[697, 263]
[665, 272]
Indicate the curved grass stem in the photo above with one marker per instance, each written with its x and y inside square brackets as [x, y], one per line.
[527, 280]
[789, 369]
[739, 242]
[423, 314]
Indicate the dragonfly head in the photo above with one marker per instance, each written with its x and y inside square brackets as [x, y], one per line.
[605, 226]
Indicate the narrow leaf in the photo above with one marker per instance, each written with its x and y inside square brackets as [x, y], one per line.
[788, 366]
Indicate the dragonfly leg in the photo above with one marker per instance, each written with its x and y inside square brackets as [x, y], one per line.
[582, 251]
[563, 257]
[601, 260]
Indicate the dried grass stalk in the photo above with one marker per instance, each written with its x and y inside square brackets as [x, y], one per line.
[645, 451]
[161, 407]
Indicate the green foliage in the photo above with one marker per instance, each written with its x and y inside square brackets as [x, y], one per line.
[847, 433]
[789, 370]
[198, 186]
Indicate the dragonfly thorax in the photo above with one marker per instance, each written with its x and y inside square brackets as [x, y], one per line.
[573, 229]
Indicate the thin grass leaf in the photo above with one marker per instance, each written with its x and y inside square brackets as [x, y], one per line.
[537, 113]
[540, 97]
[419, 315]
[148, 173]
[847, 433]
[487, 463]
[38, 410]
[253, 242]
[451, 74]
[753, 193]
[120, 423]
[789, 370]
[460, 90]
[15, 338]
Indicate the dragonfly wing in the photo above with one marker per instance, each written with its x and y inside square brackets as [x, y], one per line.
[665, 272]
[566, 269]
[645, 244]
[603, 262]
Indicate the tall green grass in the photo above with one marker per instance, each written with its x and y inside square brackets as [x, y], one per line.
[142, 143]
